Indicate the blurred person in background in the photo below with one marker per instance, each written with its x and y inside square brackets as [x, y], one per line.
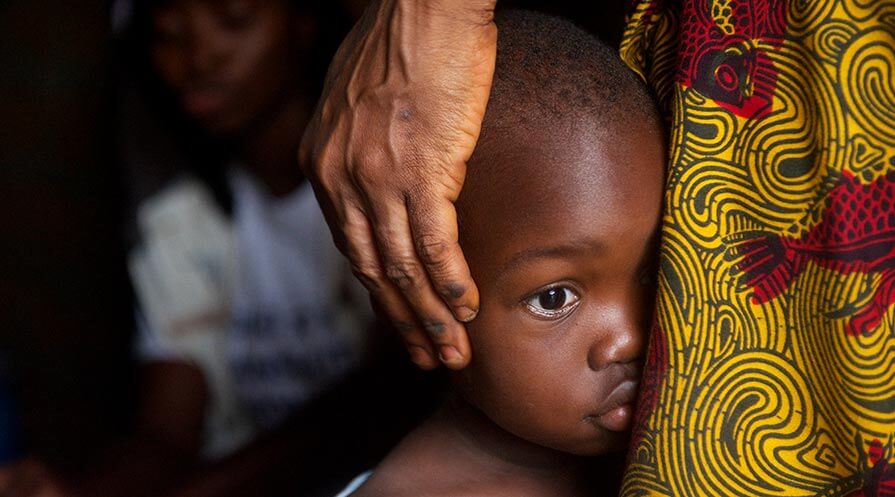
[246, 312]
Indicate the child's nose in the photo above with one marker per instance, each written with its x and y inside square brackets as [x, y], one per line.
[620, 338]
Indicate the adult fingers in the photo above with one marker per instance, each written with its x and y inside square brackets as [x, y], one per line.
[407, 272]
[353, 236]
[365, 262]
[433, 224]
[436, 240]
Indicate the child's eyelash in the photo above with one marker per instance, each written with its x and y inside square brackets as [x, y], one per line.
[568, 301]
[552, 314]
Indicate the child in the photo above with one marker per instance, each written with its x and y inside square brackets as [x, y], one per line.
[558, 218]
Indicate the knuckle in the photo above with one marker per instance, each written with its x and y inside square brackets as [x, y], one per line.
[434, 327]
[369, 276]
[403, 327]
[328, 178]
[452, 290]
[352, 227]
[404, 274]
[367, 172]
[433, 250]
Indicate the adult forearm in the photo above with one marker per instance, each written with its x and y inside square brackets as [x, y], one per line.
[468, 10]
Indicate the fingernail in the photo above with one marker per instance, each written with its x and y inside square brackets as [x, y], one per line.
[449, 354]
[466, 314]
[419, 355]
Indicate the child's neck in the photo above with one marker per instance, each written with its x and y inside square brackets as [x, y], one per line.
[482, 439]
[460, 451]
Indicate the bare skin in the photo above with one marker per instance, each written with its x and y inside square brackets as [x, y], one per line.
[448, 457]
[386, 152]
[559, 227]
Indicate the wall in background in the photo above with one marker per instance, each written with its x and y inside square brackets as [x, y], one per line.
[66, 312]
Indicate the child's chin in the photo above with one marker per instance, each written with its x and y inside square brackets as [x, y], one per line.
[604, 443]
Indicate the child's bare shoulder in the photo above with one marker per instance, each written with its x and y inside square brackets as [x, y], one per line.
[394, 487]
[405, 477]
[406, 472]
[418, 468]
[431, 462]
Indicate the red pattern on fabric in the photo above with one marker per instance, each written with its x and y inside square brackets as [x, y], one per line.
[653, 377]
[879, 480]
[856, 234]
[722, 52]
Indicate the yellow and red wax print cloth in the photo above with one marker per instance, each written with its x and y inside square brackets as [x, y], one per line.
[771, 369]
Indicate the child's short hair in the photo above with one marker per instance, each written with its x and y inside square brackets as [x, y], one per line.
[547, 67]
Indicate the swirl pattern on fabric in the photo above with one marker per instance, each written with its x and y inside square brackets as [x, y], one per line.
[772, 368]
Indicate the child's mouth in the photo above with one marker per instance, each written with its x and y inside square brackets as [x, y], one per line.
[617, 411]
[617, 419]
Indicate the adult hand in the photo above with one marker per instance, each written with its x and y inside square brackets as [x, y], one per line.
[386, 152]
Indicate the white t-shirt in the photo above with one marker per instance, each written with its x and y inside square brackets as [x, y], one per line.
[264, 304]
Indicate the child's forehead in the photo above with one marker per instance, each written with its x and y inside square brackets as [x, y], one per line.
[557, 160]
[561, 182]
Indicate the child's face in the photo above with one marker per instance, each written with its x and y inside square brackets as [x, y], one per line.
[228, 61]
[561, 244]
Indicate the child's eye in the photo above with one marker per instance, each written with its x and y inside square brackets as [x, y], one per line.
[553, 302]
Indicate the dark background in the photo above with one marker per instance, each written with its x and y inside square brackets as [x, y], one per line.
[66, 311]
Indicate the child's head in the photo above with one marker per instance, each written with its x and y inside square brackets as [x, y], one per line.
[230, 62]
[558, 219]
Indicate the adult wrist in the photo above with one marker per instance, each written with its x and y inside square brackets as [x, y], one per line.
[480, 12]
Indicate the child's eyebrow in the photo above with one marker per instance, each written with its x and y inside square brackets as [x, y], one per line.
[578, 247]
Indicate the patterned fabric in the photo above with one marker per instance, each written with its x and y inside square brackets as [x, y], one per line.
[771, 368]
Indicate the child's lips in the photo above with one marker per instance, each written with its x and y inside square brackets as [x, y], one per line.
[617, 411]
[618, 419]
